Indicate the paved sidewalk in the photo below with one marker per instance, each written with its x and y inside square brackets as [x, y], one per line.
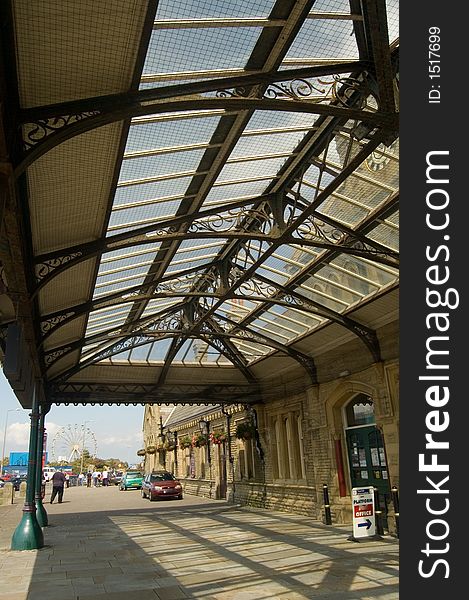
[108, 545]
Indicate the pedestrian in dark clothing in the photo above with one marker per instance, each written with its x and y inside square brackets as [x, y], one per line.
[58, 482]
[88, 479]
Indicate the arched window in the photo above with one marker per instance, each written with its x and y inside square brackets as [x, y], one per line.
[360, 411]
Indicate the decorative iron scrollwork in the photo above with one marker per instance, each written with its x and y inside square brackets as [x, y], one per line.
[50, 265]
[49, 324]
[255, 287]
[237, 92]
[297, 89]
[313, 228]
[206, 281]
[51, 357]
[234, 220]
[37, 131]
[344, 89]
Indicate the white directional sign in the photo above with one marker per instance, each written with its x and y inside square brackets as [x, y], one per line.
[363, 507]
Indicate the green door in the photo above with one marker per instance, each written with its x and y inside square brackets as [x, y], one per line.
[367, 459]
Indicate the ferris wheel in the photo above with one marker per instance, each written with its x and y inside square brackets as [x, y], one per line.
[71, 440]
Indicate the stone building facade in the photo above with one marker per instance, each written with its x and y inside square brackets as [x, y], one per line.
[342, 432]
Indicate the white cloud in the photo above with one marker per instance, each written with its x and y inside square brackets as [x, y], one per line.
[17, 439]
[122, 440]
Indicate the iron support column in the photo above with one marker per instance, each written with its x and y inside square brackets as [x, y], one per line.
[28, 534]
[41, 513]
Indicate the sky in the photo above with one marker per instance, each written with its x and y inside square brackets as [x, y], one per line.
[117, 429]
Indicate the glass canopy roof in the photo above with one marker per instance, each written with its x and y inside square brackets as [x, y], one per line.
[255, 196]
[185, 163]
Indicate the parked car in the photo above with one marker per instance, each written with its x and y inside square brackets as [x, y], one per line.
[161, 484]
[116, 478]
[131, 480]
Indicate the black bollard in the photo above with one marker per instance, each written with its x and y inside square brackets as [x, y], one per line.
[327, 506]
[378, 512]
[395, 501]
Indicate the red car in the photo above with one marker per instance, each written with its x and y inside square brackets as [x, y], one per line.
[161, 484]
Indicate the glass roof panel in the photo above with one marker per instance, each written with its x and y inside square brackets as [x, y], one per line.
[103, 290]
[353, 265]
[158, 350]
[163, 132]
[264, 144]
[336, 6]
[157, 305]
[266, 168]
[228, 193]
[202, 9]
[392, 10]
[199, 49]
[150, 191]
[162, 164]
[385, 235]
[142, 214]
[268, 119]
[297, 318]
[319, 291]
[323, 38]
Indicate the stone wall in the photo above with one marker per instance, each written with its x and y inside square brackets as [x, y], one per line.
[7, 494]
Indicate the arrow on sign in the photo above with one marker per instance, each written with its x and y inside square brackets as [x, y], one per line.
[366, 524]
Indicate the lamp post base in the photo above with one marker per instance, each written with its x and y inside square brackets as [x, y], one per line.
[28, 534]
[41, 514]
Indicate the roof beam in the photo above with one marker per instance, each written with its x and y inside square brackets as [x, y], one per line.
[251, 271]
[44, 135]
[96, 392]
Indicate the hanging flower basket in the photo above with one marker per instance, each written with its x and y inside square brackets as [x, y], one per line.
[169, 446]
[141, 452]
[218, 437]
[160, 448]
[199, 440]
[150, 450]
[185, 442]
[245, 431]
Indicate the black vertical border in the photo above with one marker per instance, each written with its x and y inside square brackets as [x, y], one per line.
[427, 127]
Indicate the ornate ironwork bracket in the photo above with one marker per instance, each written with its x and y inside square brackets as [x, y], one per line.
[36, 132]
[44, 269]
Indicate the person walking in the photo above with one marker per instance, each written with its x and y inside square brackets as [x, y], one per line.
[81, 477]
[88, 479]
[58, 482]
[105, 477]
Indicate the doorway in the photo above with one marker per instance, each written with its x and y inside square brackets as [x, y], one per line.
[365, 447]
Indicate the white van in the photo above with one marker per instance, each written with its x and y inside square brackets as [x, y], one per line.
[48, 472]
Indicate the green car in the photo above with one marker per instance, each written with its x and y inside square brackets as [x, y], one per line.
[131, 480]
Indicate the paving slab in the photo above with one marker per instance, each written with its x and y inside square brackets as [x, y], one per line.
[103, 544]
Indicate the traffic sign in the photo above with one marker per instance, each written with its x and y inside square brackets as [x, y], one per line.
[363, 507]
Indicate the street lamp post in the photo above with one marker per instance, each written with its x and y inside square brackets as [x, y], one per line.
[5, 437]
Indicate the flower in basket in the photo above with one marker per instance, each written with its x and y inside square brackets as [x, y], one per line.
[218, 437]
[169, 446]
[150, 449]
[199, 440]
[185, 442]
[141, 452]
[245, 431]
